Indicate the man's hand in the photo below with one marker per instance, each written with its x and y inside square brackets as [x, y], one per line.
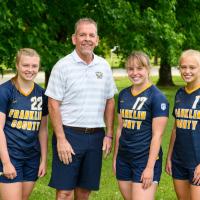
[107, 145]
[65, 151]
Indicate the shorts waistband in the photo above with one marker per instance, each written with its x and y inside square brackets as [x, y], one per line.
[85, 130]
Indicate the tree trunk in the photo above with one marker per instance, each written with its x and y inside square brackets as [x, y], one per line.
[165, 75]
[155, 61]
[47, 75]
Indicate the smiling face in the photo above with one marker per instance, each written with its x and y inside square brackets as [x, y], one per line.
[28, 67]
[190, 70]
[137, 74]
[138, 69]
[85, 39]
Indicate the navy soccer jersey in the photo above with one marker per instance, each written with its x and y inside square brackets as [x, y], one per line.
[187, 115]
[137, 113]
[23, 118]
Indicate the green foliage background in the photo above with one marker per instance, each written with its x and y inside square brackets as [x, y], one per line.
[160, 28]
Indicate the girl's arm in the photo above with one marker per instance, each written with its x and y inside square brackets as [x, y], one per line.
[43, 138]
[168, 167]
[8, 169]
[158, 127]
[118, 134]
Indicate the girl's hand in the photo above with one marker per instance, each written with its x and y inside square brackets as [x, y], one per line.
[114, 165]
[196, 178]
[147, 177]
[42, 169]
[9, 170]
[168, 167]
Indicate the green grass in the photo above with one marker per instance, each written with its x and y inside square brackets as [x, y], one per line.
[108, 188]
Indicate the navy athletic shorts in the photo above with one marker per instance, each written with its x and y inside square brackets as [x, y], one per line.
[132, 170]
[85, 169]
[181, 173]
[27, 170]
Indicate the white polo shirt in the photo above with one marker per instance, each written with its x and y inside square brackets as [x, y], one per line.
[82, 89]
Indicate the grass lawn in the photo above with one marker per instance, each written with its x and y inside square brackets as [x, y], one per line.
[108, 188]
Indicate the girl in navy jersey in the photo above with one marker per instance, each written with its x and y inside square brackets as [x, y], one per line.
[23, 129]
[183, 160]
[142, 117]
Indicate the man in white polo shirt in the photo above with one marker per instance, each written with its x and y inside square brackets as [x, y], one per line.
[81, 95]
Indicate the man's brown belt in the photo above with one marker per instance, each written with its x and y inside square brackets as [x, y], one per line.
[85, 130]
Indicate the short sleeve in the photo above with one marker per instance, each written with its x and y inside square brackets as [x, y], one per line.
[118, 103]
[160, 106]
[111, 88]
[45, 106]
[175, 99]
[56, 85]
[4, 100]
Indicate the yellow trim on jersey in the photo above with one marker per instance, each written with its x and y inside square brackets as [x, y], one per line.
[192, 90]
[27, 93]
[14, 81]
[145, 88]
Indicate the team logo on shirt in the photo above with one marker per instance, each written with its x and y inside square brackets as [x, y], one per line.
[99, 75]
[178, 101]
[163, 106]
[14, 101]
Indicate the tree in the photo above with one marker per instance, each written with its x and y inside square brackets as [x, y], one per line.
[188, 16]
[154, 23]
[150, 26]
[157, 27]
[162, 38]
[43, 25]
